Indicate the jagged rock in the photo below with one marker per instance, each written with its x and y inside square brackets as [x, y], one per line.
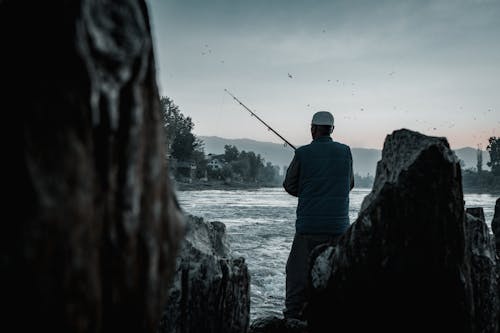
[275, 324]
[402, 266]
[481, 248]
[93, 227]
[211, 289]
[495, 225]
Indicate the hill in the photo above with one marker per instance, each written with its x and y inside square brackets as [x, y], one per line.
[469, 156]
[364, 159]
[275, 153]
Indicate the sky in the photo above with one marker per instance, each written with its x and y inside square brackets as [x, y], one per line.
[377, 66]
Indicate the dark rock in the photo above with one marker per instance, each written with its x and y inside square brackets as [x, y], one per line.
[481, 248]
[275, 324]
[477, 213]
[94, 226]
[211, 289]
[495, 225]
[402, 266]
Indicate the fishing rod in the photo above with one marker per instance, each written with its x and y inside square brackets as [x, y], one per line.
[262, 121]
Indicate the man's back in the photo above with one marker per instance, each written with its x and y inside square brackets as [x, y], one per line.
[320, 174]
[324, 182]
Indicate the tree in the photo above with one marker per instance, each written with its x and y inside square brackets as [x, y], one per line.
[493, 149]
[172, 118]
[249, 165]
[479, 160]
[256, 165]
[231, 153]
[241, 166]
[270, 174]
[201, 163]
[363, 181]
[184, 145]
[181, 142]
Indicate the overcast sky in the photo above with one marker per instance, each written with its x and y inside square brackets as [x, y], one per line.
[378, 66]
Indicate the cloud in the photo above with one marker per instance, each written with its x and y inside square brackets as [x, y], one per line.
[442, 53]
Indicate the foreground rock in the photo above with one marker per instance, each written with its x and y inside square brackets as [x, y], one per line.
[90, 240]
[481, 249]
[210, 292]
[405, 264]
[495, 225]
[275, 324]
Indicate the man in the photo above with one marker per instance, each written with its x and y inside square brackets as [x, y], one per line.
[321, 176]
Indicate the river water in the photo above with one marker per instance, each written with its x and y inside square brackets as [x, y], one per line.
[260, 228]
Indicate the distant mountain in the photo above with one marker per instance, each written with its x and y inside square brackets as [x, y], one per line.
[469, 156]
[272, 152]
[364, 159]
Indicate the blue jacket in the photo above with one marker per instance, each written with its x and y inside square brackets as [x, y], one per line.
[321, 175]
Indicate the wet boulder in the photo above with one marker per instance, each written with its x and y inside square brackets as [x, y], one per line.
[273, 324]
[403, 265]
[495, 225]
[211, 288]
[93, 228]
[481, 251]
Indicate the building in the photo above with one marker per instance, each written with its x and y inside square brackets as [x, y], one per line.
[215, 162]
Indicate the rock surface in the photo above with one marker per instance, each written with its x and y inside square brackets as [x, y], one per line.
[403, 265]
[94, 225]
[482, 253]
[495, 225]
[211, 289]
[275, 324]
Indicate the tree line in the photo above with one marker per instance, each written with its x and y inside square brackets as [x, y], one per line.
[479, 180]
[183, 146]
[184, 149]
[246, 167]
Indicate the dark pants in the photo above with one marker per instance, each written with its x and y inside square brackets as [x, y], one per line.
[297, 269]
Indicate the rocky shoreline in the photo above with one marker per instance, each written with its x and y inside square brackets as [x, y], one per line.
[478, 190]
[95, 240]
[236, 186]
[415, 258]
[220, 185]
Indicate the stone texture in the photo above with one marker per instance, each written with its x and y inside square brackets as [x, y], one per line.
[275, 324]
[482, 253]
[211, 289]
[94, 226]
[495, 225]
[403, 264]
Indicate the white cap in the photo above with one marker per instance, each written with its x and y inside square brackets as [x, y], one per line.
[322, 118]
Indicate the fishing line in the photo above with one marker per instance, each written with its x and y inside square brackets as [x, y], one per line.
[269, 128]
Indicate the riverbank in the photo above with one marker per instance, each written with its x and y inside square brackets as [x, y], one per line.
[220, 185]
[200, 185]
[260, 225]
[481, 190]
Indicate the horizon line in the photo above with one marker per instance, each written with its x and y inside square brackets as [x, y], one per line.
[352, 147]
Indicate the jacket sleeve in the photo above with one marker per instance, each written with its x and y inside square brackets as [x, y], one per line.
[291, 182]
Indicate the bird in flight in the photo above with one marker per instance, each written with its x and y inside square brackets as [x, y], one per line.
[290, 76]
